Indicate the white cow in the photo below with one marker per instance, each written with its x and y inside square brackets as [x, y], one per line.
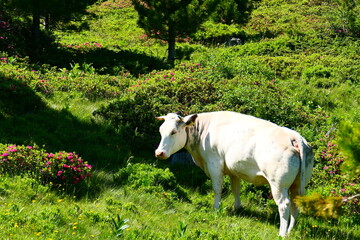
[243, 147]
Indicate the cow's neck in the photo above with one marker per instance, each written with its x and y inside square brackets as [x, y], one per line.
[192, 144]
[191, 138]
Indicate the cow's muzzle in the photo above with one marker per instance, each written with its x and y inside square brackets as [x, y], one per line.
[160, 154]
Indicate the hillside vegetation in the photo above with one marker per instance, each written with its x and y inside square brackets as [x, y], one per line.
[78, 127]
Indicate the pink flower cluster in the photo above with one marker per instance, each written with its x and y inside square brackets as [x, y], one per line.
[3, 24]
[60, 168]
[10, 149]
[331, 156]
[43, 85]
[67, 167]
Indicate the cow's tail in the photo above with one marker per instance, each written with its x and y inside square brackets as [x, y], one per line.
[303, 166]
[303, 148]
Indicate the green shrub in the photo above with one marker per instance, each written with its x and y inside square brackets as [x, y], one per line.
[229, 63]
[348, 140]
[334, 69]
[344, 18]
[320, 206]
[329, 179]
[189, 88]
[271, 47]
[60, 169]
[267, 100]
[21, 160]
[151, 179]
[249, 87]
[294, 18]
[80, 78]
[217, 33]
[13, 93]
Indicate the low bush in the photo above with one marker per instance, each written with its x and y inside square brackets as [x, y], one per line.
[348, 140]
[21, 160]
[331, 181]
[60, 169]
[151, 179]
[217, 33]
[311, 67]
[189, 88]
[268, 100]
[46, 80]
[13, 93]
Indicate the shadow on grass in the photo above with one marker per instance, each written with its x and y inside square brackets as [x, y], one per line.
[105, 61]
[190, 176]
[269, 215]
[25, 119]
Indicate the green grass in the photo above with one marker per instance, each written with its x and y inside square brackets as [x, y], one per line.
[51, 104]
[44, 214]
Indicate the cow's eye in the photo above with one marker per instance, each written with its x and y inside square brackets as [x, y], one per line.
[173, 132]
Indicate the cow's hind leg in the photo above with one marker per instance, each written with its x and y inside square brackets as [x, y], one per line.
[235, 188]
[294, 211]
[281, 197]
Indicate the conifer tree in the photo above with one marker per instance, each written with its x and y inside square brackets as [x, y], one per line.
[169, 19]
[233, 11]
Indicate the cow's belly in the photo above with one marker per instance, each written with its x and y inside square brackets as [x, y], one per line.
[246, 170]
[257, 180]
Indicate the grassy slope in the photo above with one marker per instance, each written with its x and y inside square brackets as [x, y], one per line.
[29, 211]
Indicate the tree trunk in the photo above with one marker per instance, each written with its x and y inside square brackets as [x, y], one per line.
[35, 48]
[47, 22]
[171, 45]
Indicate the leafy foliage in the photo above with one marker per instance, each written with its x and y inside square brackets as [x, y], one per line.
[188, 88]
[79, 78]
[234, 11]
[217, 33]
[349, 139]
[151, 179]
[60, 169]
[119, 225]
[317, 205]
[345, 18]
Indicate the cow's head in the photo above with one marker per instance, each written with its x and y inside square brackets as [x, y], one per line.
[173, 134]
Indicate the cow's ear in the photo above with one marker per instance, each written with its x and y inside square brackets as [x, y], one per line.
[189, 120]
[161, 118]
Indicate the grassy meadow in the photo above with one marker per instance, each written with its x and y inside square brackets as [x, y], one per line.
[94, 94]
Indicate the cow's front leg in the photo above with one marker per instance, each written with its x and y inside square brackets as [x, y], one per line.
[217, 178]
[235, 188]
[217, 186]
